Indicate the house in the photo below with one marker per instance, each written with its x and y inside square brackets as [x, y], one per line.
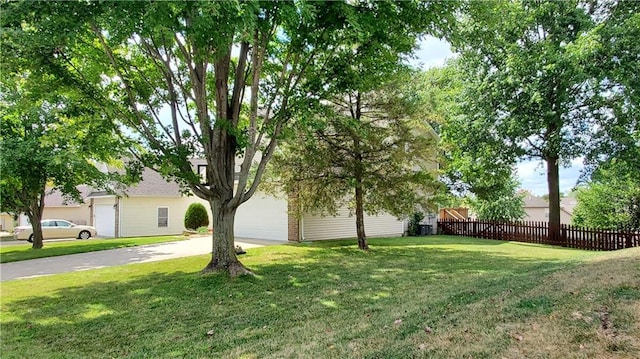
[537, 209]
[311, 227]
[156, 206]
[6, 222]
[56, 206]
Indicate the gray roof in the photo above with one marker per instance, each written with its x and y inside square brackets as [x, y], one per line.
[535, 202]
[153, 184]
[567, 204]
[55, 198]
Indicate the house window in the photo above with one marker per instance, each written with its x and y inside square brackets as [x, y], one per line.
[546, 213]
[163, 217]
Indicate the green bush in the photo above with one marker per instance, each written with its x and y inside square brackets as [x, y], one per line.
[196, 216]
[414, 223]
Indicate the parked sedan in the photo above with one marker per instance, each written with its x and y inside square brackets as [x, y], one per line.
[55, 228]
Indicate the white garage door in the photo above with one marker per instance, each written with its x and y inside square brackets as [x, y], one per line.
[262, 217]
[105, 220]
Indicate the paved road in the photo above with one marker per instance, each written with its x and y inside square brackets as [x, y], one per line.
[114, 257]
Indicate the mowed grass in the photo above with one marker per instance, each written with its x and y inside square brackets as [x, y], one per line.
[429, 297]
[21, 252]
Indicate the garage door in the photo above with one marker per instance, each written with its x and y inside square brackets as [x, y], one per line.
[105, 220]
[262, 217]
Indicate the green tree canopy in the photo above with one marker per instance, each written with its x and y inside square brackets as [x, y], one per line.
[50, 141]
[370, 151]
[538, 81]
[213, 79]
[505, 204]
[611, 199]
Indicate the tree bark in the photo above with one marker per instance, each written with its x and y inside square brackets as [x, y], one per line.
[35, 217]
[223, 256]
[362, 238]
[553, 183]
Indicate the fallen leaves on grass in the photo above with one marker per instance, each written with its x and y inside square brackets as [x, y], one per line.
[580, 316]
[605, 322]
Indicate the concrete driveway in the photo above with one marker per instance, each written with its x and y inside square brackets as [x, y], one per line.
[114, 257]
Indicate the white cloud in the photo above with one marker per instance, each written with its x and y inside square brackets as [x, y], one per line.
[433, 52]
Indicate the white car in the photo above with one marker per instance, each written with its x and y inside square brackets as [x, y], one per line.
[55, 228]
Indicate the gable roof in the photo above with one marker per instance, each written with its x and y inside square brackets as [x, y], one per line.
[153, 184]
[566, 204]
[535, 202]
[55, 198]
[569, 203]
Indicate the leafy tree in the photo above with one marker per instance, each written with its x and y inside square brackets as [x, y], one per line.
[614, 59]
[218, 80]
[473, 169]
[49, 140]
[505, 205]
[414, 223]
[529, 90]
[369, 150]
[196, 216]
[610, 200]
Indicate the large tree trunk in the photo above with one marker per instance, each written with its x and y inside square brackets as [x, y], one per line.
[35, 217]
[223, 256]
[553, 182]
[362, 237]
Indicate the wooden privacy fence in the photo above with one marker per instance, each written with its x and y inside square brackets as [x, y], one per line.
[538, 232]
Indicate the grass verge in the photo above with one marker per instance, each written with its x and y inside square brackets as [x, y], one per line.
[430, 297]
[21, 252]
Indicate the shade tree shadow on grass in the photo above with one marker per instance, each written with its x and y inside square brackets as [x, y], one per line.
[331, 301]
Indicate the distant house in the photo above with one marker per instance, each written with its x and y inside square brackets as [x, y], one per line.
[537, 209]
[6, 222]
[56, 206]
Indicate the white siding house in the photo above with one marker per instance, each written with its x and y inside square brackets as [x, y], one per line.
[263, 217]
[314, 227]
[55, 206]
[537, 209]
[157, 207]
[152, 207]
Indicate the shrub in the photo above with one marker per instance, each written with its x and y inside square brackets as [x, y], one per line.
[414, 223]
[196, 216]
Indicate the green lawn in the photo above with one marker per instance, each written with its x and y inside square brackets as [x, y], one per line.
[429, 297]
[20, 252]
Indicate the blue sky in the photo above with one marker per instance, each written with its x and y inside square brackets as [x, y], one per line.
[433, 52]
